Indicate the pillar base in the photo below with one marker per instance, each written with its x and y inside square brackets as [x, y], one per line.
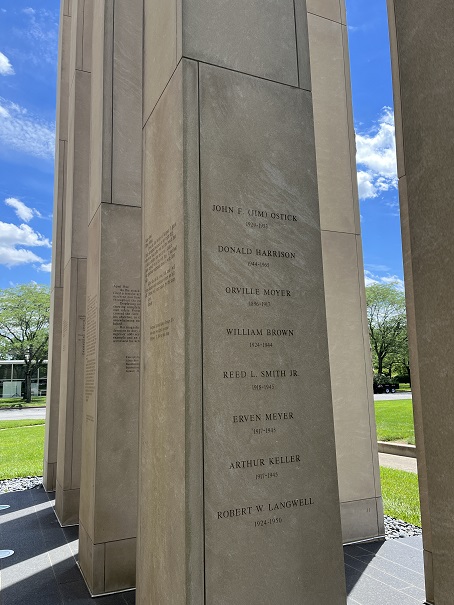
[107, 567]
[50, 476]
[67, 506]
[362, 520]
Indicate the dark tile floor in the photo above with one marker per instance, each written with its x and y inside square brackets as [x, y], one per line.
[43, 569]
[385, 573]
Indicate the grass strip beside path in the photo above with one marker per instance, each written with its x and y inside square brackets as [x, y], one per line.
[13, 424]
[395, 420]
[7, 403]
[400, 495]
[22, 449]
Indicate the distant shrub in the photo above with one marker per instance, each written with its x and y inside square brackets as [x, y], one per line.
[382, 379]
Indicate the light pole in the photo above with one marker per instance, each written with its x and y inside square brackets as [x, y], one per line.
[28, 355]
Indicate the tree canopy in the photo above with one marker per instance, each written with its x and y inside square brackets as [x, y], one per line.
[387, 322]
[24, 326]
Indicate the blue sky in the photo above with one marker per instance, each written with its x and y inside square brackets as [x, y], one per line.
[374, 124]
[28, 65]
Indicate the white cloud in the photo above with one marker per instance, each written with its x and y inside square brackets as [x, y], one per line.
[46, 267]
[26, 133]
[29, 11]
[376, 157]
[372, 278]
[22, 235]
[11, 256]
[14, 241]
[366, 188]
[6, 69]
[22, 211]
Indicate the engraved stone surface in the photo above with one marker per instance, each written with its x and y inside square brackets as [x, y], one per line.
[252, 276]
[164, 491]
[110, 445]
[267, 432]
[108, 511]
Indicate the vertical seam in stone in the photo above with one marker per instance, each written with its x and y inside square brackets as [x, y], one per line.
[365, 348]
[376, 509]
[73, 369]
[176, 32]
[142, 121]
[104, 566]
[82, 41]
[63, 214]
[201, 336]
[296, 44]
[350, 134]
[392, 16]
[111, 142]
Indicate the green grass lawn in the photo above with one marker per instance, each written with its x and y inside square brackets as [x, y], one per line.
[400, 495]
[404, 387]
[10, 401]
[395, 420]
[22, 448]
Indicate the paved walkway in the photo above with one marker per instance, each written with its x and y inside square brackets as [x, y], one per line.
[402, 463]
[43, 569]
[388, 396]
[23, 414]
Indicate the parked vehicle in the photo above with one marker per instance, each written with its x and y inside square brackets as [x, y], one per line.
[386, 388]
[384, 384]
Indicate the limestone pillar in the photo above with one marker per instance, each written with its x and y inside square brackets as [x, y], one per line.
[238, 494]
[108, 498]
[422, 47]
[61, 142]
[348, 338]
[74, 266]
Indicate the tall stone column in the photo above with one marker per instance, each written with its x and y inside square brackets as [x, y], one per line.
[108, 497]
[58, 244]
[348, 338]
[422, 48]
[75, 266]
[238, 494]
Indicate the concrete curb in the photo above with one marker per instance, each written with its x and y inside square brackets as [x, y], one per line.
[398, 449]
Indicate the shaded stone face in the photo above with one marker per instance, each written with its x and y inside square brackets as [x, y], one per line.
[73, 241]
[58, 246]
[108, 495]
[238, 463]
[421, 50]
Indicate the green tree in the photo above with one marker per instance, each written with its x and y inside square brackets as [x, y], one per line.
[24, 327]
[387, 322]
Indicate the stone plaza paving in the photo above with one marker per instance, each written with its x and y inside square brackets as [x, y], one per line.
[43, 569]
